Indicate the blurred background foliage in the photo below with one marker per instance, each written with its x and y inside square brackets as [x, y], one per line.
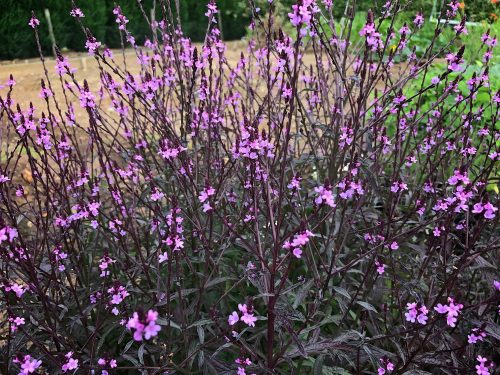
[17, 41]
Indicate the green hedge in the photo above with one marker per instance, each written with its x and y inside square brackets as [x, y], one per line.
[17, 40]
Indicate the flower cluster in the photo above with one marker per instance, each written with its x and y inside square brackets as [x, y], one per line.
[416, 312]
[70, 364]
[477, 334]
[325, 196]
[484, 366]
[204, 198]
[104, 263]
[386, 366]
[451, 310]
[28, 364]
[107, 362]
[8, 234]
[303, 13]
[372, 36]
[298, 242]
[487, 209]
[143, 325]
[117, 294]
[246, 316]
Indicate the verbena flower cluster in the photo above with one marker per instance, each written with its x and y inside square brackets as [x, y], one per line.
[325, 202]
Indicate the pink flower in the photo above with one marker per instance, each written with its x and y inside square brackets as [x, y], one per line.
[156, 195]
[71, 363]
[62, 66]
[294, 183]
[144, 327]
[206, 193]
[380, 267]
[249, 319]
[297, 253]
[233, 318]
[118, 293]
[152, 328]
[163, 257]
[34, 22]
[28, 364]
[419, 20]
[247, 316]
[301, 239]
[325, 196]
[475, 336]
[87, 99]
[478, 208]
[416, 312]
[211, 9]
[452, 310]
[298, 242]
[77, 13]
[489, 211]
[386, 366]
[422, 317]
[496, 284]
[92, 45]
[483, 367]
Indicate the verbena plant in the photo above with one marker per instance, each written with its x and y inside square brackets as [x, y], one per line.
[311, 208]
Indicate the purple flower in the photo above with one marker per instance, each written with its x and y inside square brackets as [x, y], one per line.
[28, 364]
[476, 335]
[419, 20]
[233, 318]
[144, 327]
[249, 319]
[206, 193]
[452, 310]
[380, 267]
[77, 13]
[34, 22]
[247, 316]
[416, 312]
[71, 363]
[325, 196]
[483, 368]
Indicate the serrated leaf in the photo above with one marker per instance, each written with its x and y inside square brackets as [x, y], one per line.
[342, 291]
[217, 280]
[201, 334]
[168, 323]
[318, 365]
[127, 346]
[367, 306]
[140, 354]
[302, 293]
[131, 359]
[201, 322]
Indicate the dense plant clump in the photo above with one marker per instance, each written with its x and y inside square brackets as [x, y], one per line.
[326, 204]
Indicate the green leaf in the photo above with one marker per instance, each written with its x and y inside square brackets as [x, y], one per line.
[302, 293]
[201, 322]
[318, 365]
[140, 354]
[367, 306]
